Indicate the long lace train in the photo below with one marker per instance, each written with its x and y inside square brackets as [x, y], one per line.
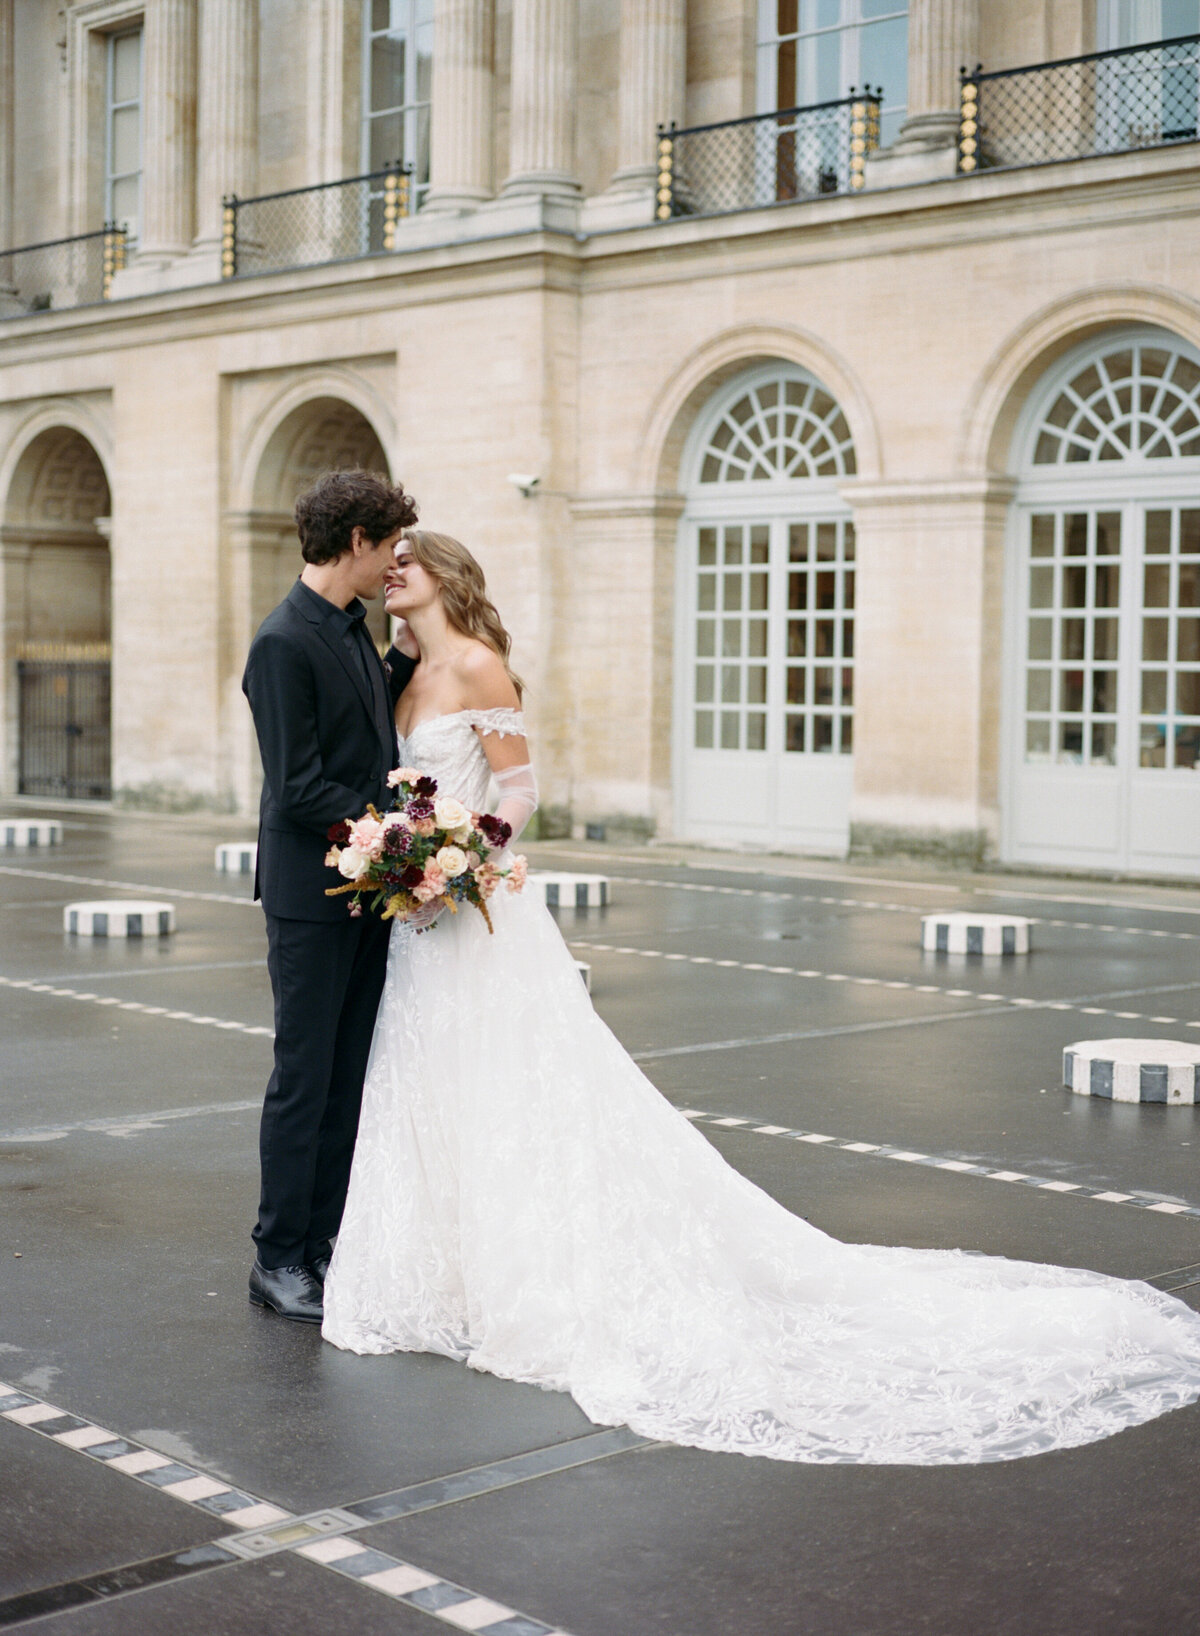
[523, 1199]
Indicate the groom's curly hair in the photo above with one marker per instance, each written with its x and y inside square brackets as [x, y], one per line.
[340, 501]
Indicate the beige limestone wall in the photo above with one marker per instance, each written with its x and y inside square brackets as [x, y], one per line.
[720, 61]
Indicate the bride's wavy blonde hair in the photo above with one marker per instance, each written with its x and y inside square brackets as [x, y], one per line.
[464, 592]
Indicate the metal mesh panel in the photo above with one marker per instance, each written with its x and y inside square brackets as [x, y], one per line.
[799, 153]
[1111, 102]
[336, 221]
[61, 273]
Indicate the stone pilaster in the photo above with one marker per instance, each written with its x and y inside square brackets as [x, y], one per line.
[544, 74]
[651, 91]
[943, 36]
[169, 129]
[461, 133]
[228, 114]
[6, 124]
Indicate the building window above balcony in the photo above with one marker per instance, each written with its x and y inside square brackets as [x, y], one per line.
[812, 51]
[123, 131]
[397, 80]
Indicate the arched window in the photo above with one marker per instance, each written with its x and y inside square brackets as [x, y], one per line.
[1105, 747]
[765, 690]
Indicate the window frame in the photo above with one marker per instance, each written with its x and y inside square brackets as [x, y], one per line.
[768, 40]
[111, 108]
[410, 107]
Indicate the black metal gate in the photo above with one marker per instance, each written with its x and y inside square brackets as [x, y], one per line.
[65, 718]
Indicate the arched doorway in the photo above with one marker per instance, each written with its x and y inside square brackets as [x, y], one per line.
[1103, 652]
[325, 434]
[57, 612]
[764, 686]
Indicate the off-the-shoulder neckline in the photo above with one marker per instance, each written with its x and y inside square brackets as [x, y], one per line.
[449, 715]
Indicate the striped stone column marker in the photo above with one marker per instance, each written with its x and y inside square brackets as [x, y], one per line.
[1134, 1070]
[561, 890]
[971, 933]
[30, 832]
[119, 917]
[236, 858]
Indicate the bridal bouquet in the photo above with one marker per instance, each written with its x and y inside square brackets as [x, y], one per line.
[427, 847]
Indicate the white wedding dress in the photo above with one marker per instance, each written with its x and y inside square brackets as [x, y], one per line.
[524, 1200]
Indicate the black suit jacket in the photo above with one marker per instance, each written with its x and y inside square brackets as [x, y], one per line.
[327, 741]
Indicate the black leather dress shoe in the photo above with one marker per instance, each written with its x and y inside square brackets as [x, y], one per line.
[293, 1292]
[319, 1266]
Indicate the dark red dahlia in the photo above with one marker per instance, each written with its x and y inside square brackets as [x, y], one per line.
[339, 833]
[396, 841]
[495, 831]
[418, 807]
[412, 876]
[425, 786]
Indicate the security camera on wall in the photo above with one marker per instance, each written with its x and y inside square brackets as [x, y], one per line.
[527, 485]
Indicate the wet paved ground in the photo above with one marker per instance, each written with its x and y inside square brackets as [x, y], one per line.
[794, 996]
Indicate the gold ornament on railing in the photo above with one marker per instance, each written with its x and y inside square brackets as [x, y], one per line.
[229, 238]
[391, 207]
[968, 127]
[114, 257]
[666, 178]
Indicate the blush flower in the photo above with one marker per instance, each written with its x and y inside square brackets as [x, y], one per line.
[451, 814]
[518, 874]
[366, 836]
[402, 775]
[352, 863]
[451, 860]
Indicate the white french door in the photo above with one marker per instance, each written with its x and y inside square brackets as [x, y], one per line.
[765, 690]
[1104, 739]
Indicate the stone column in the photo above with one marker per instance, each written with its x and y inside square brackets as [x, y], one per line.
[461, 117]
[943, 36]
[6, 124]
[168, 129]
[651, 92]
[544, 73]
[228, 114]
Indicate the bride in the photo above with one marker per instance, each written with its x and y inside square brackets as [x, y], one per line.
[525, 1201]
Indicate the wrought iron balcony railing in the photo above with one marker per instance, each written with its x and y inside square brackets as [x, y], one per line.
[1142, 96]
[797, 153]
[61, 272]
[304, 226]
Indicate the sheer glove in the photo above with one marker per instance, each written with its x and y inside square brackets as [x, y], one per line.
[518, 796]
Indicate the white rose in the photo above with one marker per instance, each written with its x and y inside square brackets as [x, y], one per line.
[451, 860]
[352, 862]
[449, 813]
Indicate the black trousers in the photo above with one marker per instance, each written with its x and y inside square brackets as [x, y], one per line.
[327, 977]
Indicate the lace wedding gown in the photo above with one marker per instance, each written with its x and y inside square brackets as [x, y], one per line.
[524, 1200]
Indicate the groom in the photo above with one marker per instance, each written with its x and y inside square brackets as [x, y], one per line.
[322, 701]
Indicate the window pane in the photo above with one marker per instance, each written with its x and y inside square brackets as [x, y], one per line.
[1041, 639]
[731, 638]
[1075, 588]
[127, 67]
[731, 684]
[798, 542]
[708, 546]
[795, 684]
[1187, 693]
[1189, 585]
[125, 202]
[756, 731]
[1154, 692]
[756, 638]
[729, 729]
[733, 545]
[1157, 592]
[756, 684]
[1104, 692]
[1108, 585]
[704, 729]
[1104, 638]
[758, 591]
[1158, 533]
[386, 142]
[706, 591]
[1155, 634]
[1104, 743]
[126, 154]
[797, 638]
[1041, 536]
[1187, 638]
[883, 57]
[822, 734]
[1037, 690]
[706, 638]
[1041, 587]
[387, 72]
[1073, 637]
[1037, 741]
[704, 684]
[794, 730]
[733, 592]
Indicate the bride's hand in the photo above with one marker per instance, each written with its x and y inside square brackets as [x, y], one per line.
[404, 641]
[421, 919]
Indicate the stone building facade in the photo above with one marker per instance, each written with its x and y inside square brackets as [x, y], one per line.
[867, 500]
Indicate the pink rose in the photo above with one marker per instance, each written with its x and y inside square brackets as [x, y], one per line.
[423, 826]
[424, 892]
[402, 775]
